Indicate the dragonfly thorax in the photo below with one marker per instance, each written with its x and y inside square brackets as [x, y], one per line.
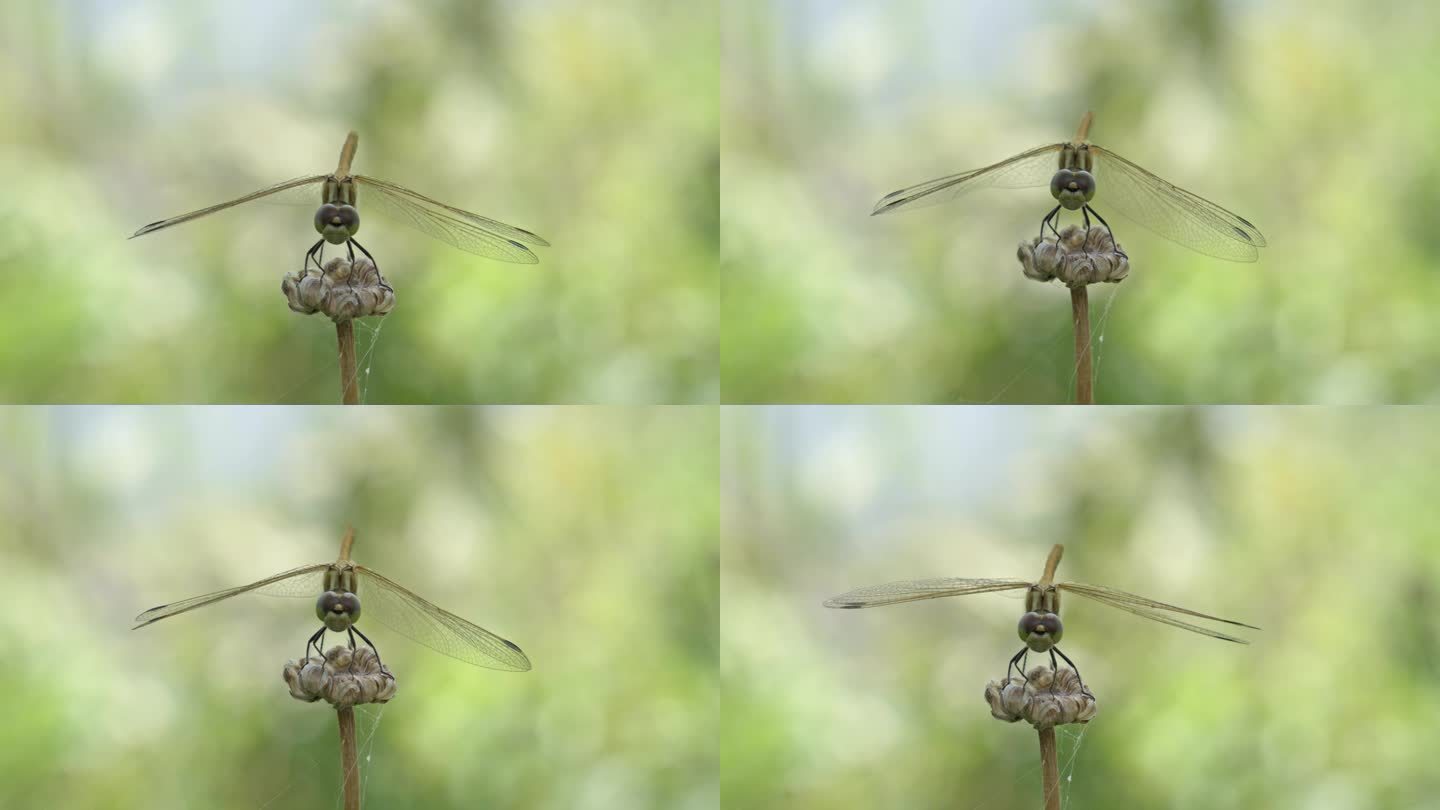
[1042, 599]
[338, 610]
[1040, 631]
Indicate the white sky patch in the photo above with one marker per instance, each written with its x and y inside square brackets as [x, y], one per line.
[139, 44]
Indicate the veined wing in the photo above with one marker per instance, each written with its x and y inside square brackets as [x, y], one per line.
[893, 593]
[308, 580]
[471, 233]
[1151, 609]
[1172, 212]
[442, 631]
[264, 192]
[1025, 170]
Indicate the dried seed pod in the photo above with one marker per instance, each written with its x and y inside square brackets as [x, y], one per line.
[1080, 256]
[344, 291]
[345, 677]
[1048, 699]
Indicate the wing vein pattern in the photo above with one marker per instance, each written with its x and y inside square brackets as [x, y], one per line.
[509, 231]
[893, 593]
[307, 580]
[264, 192]
[442, 631]
[1173, 213]
[469, 232]
[1028, 169]
[1152, 609]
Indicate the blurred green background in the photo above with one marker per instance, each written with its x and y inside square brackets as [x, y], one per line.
[1300, 116]
[1316, 525]
[592, 124]
[587, 536]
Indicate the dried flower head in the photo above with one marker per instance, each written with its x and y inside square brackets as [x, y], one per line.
[1080, 256]
[345, 677]
[345, 291]
[1050, 698]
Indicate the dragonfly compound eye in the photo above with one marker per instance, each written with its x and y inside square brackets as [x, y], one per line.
[351, 605]
[1058, 181]
[1072, 189]
[327, 213]
[1040, 628]
[337, 223]
[350, 218]
[337, 610]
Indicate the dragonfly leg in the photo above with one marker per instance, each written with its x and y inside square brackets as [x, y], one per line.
[350, 631]
[383, 283]
[1108, 228]
[310, 255]
[1013, 662]
[363, 636]
[1054, 214]
[316, 641]
[1067, 658]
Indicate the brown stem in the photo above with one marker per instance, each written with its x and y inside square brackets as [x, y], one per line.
[1051, 563]
[349, 383]
[1049, 769]
[350, 766]
[347, 154]
[1080, 313]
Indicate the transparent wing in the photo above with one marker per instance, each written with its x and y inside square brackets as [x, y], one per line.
[469, 232]
[307, 580]
[264, 192]
[1025, 170]
[1172, 212]
[444, 632]
[1151, 609]
[893, 593]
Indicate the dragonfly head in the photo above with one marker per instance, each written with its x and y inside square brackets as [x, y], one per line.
[337, 223]
[338, 610]
[1040, 631]
[1072, 188]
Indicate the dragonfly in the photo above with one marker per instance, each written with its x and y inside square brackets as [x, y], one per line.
[1076, 171]
[338, 218]
[1040, 627]
[340, 586]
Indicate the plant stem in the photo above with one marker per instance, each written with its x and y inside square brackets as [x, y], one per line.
[349, 382]
[1080, 313]
[346, 542]
[347, 154]
[1049, 769]
[349, 758]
